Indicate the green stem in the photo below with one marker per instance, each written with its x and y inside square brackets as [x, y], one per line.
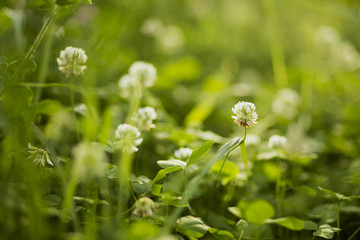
[134, 101]
[224, 159]
[258, 232]
[354, 234]
[34, 46]
[338, 220]
[241, 234]
[72, 101]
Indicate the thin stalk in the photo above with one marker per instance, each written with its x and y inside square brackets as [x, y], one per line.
[72, 102]
[134, 101]
[241, 234]
[354, 234]
[224, 159]
[244, 157]
[34, 46]
[258, 232]
[338, 220]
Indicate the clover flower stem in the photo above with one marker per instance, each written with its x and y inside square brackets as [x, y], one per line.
[241, 234]
[124, 167]
[224, 159]
[244, 157]
[354, 234]
[134, 101]
[35, 44]
[338, 220]
[72, 102]
[278, 202]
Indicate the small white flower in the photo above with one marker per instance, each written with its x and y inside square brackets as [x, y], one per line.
[183, 153]
[128, 138]
[126, 85]
[277, 141]
[245, 114]
[144, 118]
[144, 207]
[143, 72]
[39, 156]
[89, 162]
[72, 61]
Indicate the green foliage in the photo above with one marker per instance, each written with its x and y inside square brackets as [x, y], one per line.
[64, 173]
[326, 231]
[256, 211]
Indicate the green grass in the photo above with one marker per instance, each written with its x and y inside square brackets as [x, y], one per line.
[68, 171]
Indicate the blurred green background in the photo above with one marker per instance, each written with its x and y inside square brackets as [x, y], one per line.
[298, 61]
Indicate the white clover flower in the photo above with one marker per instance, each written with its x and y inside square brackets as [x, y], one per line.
[128, 138]
[183, 153]
[245, 114]
[39, 156]
[126, 84]
[72, 61]
[277, 141]
[143, 72]
[144, 207]
[144, 118]
[89, 161]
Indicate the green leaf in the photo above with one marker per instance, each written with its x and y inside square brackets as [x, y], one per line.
[291, 223]
[163, 172]
[310, 225]
[256, 211]
[228, 173]
[199, 152]
[171, 163]
[336, 195]
[31, 64]
[221, 234]
[140, 184]
[156, 188]
[235, 211]
[191, 226]
[52, 200]
[326, 231]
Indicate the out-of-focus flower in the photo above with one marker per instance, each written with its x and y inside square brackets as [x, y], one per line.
[39, 156]
[72, 61]
[242, 224]
[286, 103]
[144, 207]
[183, 153]
[126, 85]
[277, 141]
[127, 138]
[143, 72]
[245, 114]
[89, 161]
[144, 118]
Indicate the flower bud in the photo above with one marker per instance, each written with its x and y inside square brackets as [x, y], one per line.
[144, 207]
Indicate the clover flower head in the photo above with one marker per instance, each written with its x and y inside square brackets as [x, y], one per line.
[39, 156]
[127, 138]
[144, 118]
[126, 84]
[89, 161]
[144, 72]
[277, 141]
[144, 207]
[183, 153]
[72, 61]
[245, 114]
